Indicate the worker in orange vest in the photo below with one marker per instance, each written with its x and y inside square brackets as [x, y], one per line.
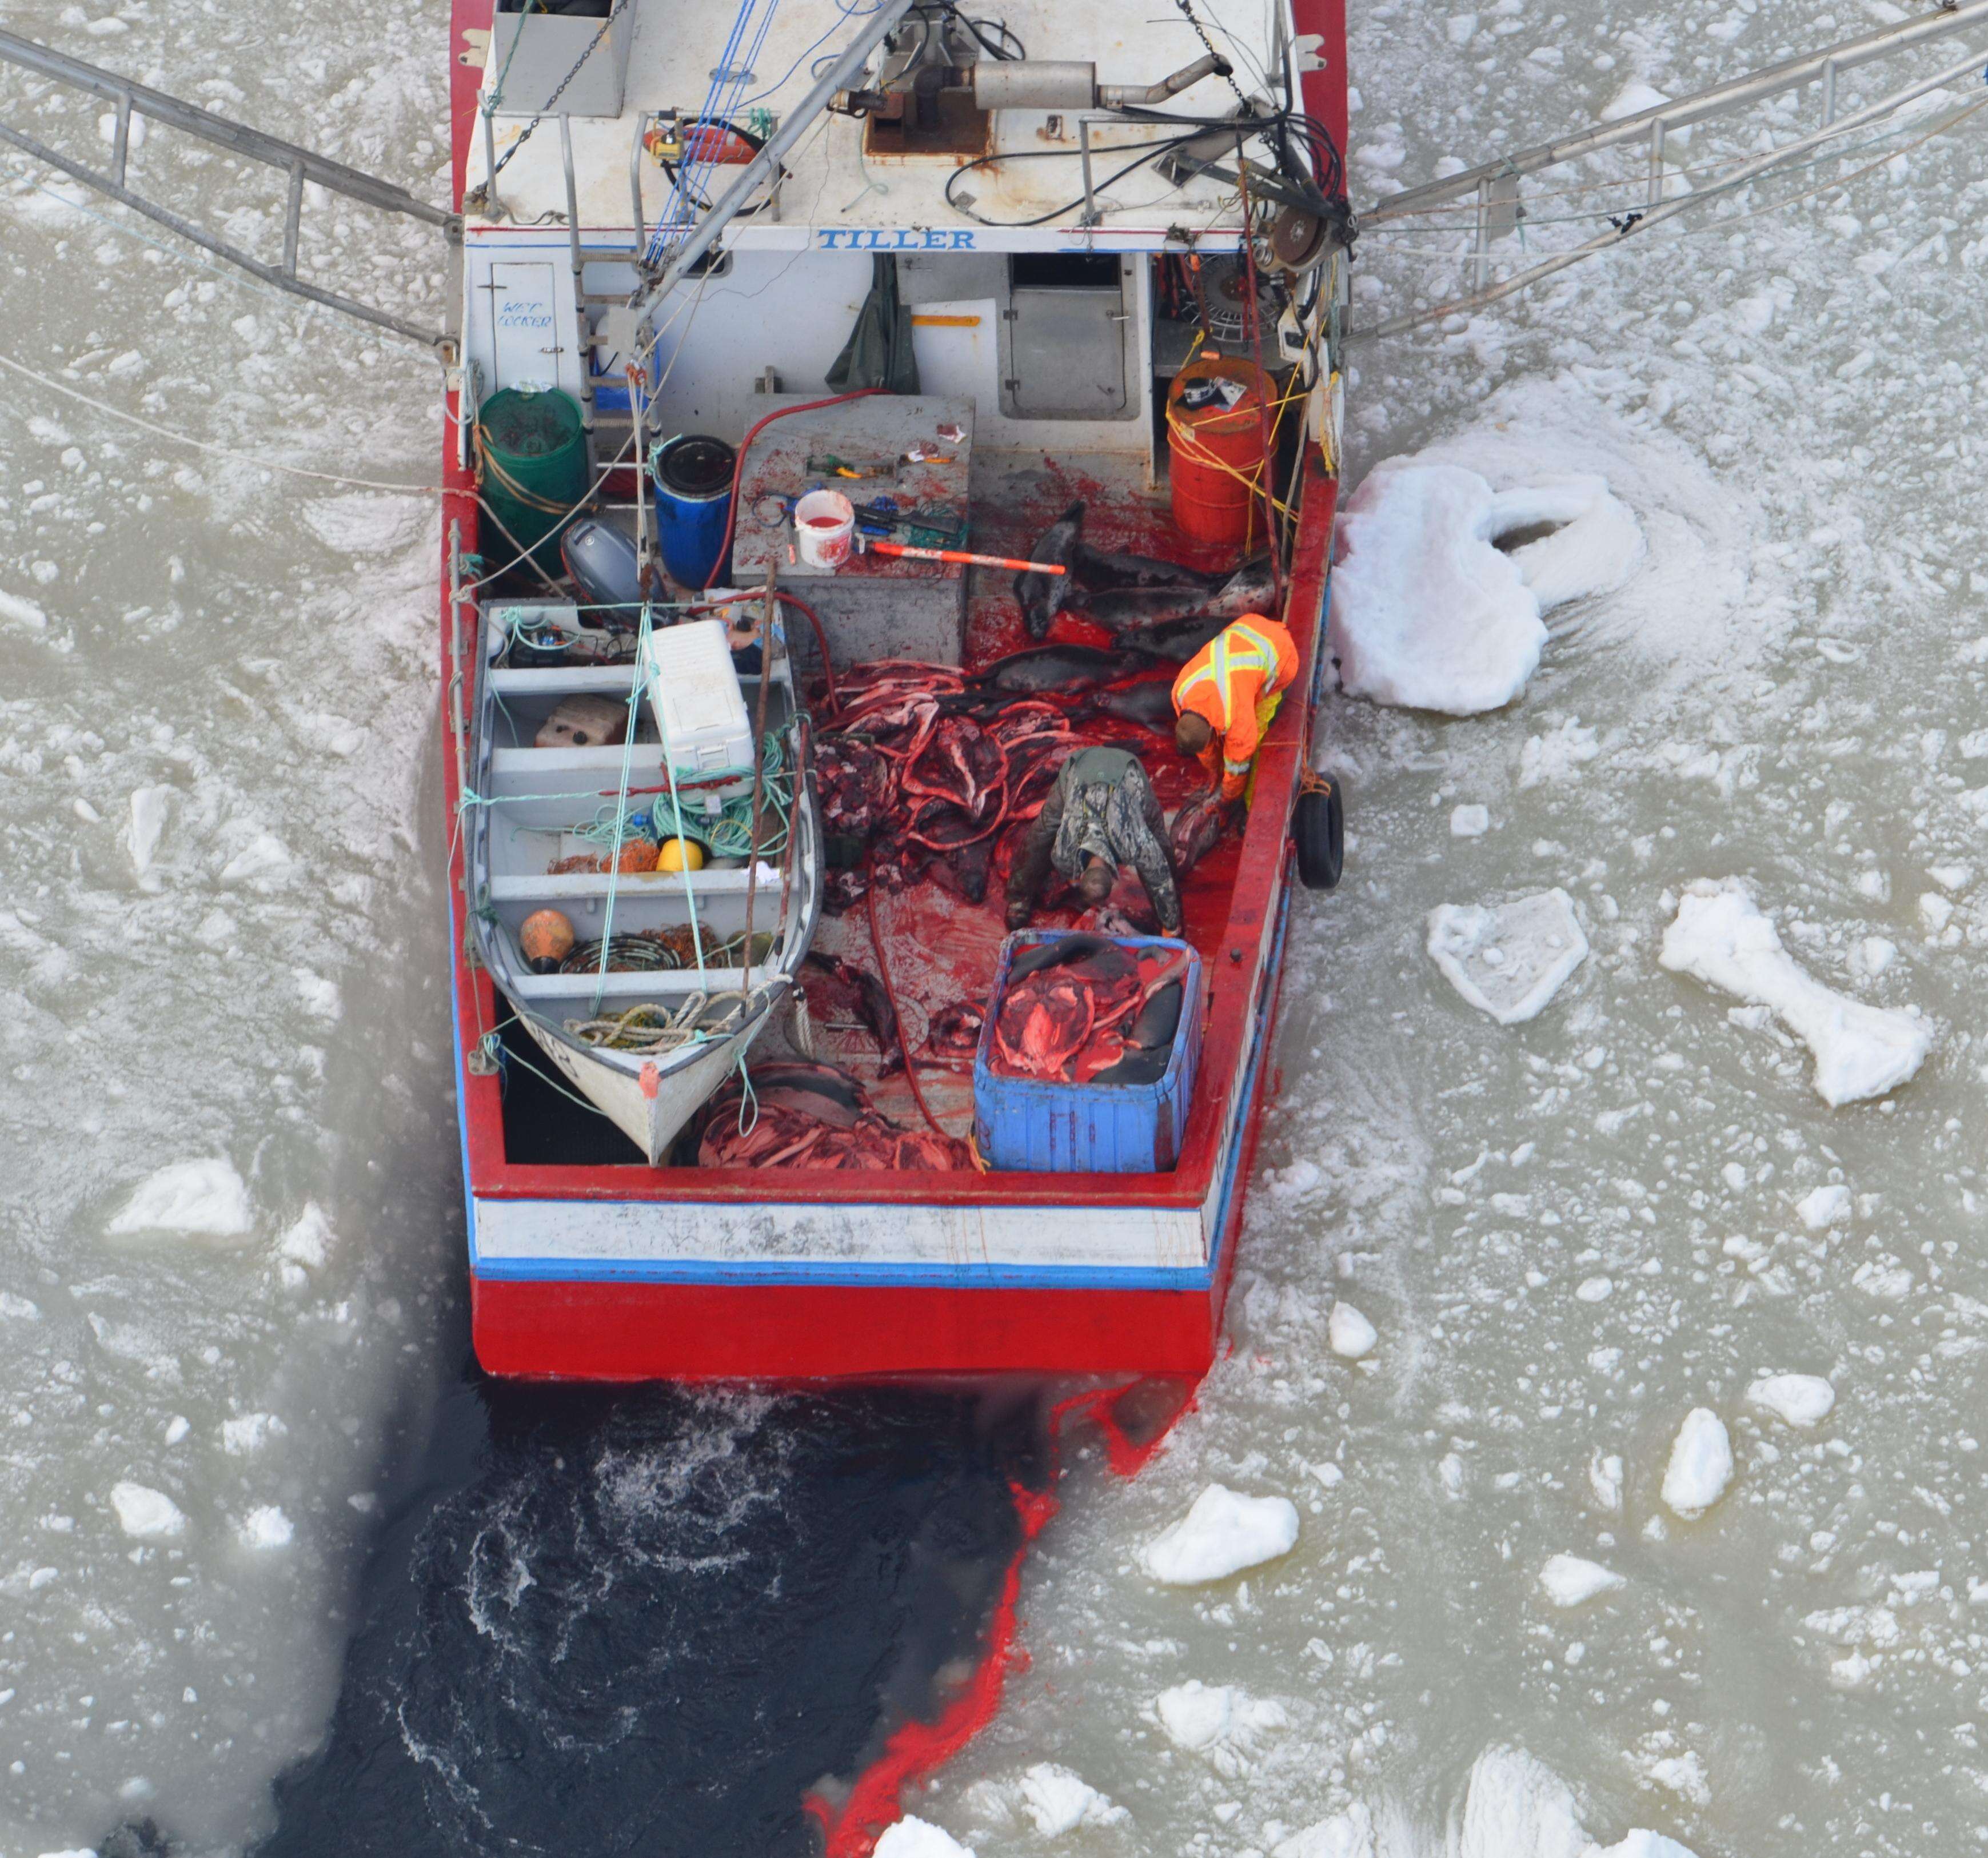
[1225, 697]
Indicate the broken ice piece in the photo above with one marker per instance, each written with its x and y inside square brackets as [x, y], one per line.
[1797, 1400]
[1223, 1533]
[1701, 1464]
[1720, 937]
[1348, 1334]
[1569, 1580]
[1509, 961]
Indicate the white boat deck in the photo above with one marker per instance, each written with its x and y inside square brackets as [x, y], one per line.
[832, 184]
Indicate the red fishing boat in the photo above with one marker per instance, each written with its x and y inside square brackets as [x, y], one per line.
[1003, 286]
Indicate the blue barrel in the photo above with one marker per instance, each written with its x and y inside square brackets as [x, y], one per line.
[693, 477]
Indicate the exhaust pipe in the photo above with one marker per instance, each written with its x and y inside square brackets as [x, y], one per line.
[1003, 83]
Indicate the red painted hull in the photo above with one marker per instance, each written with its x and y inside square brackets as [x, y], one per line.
[641, 1315]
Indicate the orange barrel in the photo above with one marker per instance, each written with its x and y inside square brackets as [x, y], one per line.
[1217, 451]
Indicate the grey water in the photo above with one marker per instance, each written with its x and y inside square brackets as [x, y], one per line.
[224, 1005]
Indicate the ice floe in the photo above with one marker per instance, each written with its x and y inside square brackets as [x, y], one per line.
[1797, 1400]
[207, 1198]
[1057, 1801]
[1509, 961]
[150, 1515]
[266, 1527]
[1348, 1334]
[1469, 821]
[1720, 937]
[1223, 1533]
[1346, 1835]
[1221, 1723]
[1701, 1464]
[912, 1837]
[1570, 1581]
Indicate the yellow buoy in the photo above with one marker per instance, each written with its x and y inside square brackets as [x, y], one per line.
[546, 937]
[680, 855]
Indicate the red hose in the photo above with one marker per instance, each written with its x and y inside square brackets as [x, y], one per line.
[821, 640]
[884, 968]
[745, 445]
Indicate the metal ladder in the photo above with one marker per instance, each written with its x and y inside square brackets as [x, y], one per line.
[129, 99]
[1495, 184]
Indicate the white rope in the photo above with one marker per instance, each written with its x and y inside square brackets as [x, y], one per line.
[239, 458]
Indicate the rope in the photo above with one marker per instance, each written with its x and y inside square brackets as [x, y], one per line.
[239, 458]
[486, 461]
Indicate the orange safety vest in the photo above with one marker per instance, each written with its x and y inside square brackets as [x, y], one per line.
[1226, 683]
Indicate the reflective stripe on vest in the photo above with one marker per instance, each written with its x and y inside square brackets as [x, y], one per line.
[1226, 654]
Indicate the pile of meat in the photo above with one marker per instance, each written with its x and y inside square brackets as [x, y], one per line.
[815, 1116]
[1083, 1009]
[932, 771]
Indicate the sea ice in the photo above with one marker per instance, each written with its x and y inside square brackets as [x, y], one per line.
[266, 1527]
[1799, 1399]
[1720, 937]
[149, 807]
[1515, 1806]
[1570, 1581]
[1825, 1207]
[1509, 961]
[15, 611]
[1059, 1801]
[205, 1197]
[1428, 614]
[1347, 1835]
[1223, 1725]
[1469, 822]
[1348, 1334]
[1701, 1464]
[250, 1432]
[912, 1837]
[1640, 1844]
[150, 1515]
[1425, 612]
[1223, 1533]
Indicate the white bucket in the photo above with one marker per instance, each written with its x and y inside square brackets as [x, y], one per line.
[824, 525]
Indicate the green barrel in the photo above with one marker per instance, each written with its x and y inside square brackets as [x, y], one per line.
[533, 449]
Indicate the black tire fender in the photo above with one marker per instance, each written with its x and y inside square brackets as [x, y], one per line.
[1318, 827]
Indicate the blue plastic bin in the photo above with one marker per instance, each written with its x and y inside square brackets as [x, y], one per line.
[1046, 1126]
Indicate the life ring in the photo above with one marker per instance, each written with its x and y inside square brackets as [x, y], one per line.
[1318, 825]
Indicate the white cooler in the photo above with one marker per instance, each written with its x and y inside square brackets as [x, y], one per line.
[694, 694]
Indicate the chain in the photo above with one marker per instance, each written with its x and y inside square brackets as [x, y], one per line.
[1208, 46]
[593, 45]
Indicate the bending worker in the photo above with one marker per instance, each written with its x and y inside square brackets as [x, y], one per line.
[1227, 695]
[1102, 812]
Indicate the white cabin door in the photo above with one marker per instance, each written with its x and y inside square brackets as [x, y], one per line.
[524, 333]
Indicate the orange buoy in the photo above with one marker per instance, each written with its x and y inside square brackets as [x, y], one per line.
[1216, 450]
[546, 937]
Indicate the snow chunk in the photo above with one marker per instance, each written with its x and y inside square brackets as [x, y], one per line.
[21, 1309]
[1509, 961]
[1799, 1400]
[1570, 1581]
[250, 1432]
[1059, 1801]
[1346, 1835]
[1425, 612]
[1517, 1807]
[912, 1837]
[1428, 614]
[149, 1514]
[149, 808]
[266, 1527]
[207, 1197]
[1632, 99]
[1825, 1207]
[1641, 1845]
[15, 611]
[304, 1247]
[1222, 1534]
[1221, 1723]
[1348, 1334]
[1721, 937]
[1469, 822]
[1701, 1464]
